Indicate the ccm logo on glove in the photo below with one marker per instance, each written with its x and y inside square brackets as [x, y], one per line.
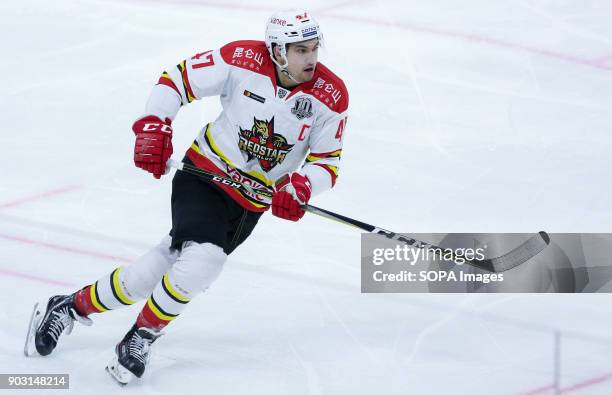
[153, 145]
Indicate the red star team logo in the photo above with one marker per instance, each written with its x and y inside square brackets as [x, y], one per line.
[262, 143]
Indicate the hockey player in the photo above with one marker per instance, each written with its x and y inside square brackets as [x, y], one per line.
[281, 129]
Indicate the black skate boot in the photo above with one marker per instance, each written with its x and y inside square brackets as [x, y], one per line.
[46, 328]
[132, 354]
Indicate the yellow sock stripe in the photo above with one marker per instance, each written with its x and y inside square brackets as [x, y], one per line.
[158, 311]
[116, 288]
[173, 293]
[93, 293]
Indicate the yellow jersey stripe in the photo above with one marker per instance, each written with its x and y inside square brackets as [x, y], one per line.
[187, 88]
[251, 200]
[314, 157]
[215, 148]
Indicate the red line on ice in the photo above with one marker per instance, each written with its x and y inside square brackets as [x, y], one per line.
[336, 6]
[540, 390]
[39, 196]
[63, 248]
[587, 383]
[603, 60]
[481, 40]
[213, 4]
[574, 387]
[31, 277]
[473, 38]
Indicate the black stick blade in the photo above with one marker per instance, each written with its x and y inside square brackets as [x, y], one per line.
[521, 254]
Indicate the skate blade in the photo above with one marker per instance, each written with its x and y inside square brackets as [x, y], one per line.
[29, 348]
[121, 375]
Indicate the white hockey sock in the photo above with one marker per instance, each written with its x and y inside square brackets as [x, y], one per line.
[128, 284]
[195, 269]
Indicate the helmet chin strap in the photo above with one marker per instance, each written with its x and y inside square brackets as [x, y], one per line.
[288, 74]
[283, 68]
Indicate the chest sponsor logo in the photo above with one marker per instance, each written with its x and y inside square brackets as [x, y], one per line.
[302, 108]
[253, 96]
[261, 143]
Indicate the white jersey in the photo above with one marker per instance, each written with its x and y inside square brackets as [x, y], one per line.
[264, 130]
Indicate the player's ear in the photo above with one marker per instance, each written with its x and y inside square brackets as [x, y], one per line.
[275, 51]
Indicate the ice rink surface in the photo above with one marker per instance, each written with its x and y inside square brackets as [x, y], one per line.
[472, 116]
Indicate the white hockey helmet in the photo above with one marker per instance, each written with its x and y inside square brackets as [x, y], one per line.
[286, 27]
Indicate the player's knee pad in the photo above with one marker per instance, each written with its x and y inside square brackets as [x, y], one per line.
[196, 268]
[142, 276]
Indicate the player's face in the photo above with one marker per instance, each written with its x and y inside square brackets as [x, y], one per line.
[302, 59]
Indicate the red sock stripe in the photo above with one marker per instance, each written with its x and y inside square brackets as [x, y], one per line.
[83, 304]
[148, 319]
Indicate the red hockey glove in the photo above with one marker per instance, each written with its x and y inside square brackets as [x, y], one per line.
[153, 144]
[290, 191]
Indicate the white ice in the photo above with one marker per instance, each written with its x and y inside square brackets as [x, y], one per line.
[471, 116]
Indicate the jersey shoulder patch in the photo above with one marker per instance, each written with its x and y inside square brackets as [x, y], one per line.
[329, 89]
[250, 55]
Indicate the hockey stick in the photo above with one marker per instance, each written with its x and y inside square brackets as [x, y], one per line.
[519, 255]
[187, 168]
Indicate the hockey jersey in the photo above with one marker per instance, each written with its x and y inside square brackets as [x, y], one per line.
[264, 130]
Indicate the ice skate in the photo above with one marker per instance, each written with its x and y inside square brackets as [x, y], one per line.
[132, 354]
[46, 328]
